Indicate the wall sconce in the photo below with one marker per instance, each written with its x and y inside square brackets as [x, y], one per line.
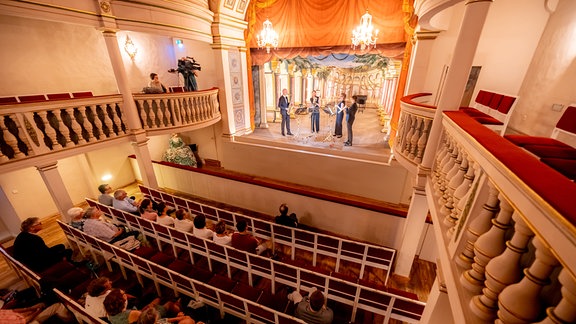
[130, 48]
[106, 177]
[180, 43]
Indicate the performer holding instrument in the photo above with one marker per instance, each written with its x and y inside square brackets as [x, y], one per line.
[340, 107]
[315, 110]
[284, 105]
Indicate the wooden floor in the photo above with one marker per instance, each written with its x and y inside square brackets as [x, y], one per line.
[420, 281]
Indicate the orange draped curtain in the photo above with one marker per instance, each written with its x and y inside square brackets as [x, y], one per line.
[320, 27]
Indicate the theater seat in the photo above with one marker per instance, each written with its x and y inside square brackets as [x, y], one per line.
[523, 140]
[545, 151]
[564, 166]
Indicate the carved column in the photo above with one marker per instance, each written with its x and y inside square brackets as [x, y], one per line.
[56, 188]
[519, 303]
[502, 271]
[488, 246]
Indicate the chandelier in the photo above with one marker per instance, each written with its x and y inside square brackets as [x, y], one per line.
[364, 35]
[268, 36]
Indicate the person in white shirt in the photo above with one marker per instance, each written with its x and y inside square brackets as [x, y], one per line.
[98, 289]
[105, 197]
[200, 229]
[100, 229]
[220, 235]
[163, 217]
[122, 202]
[183, 221]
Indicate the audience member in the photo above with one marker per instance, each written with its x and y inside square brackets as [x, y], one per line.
[98, 289]
[105, 197]
[147, 210]
[122, 202]
[245, 241]
[183, 221]
[220, 235]
[285, 219]
[38, 313]
[156, 84]
[76, 215]
[30, 249]
[95, 226]
[152, 316]
[115, 305]
[200, 229]
[312, 309]
[163, 217]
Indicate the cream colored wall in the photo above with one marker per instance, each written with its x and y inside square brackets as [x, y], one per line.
[551, 75]
[36, 55]
[114, 161]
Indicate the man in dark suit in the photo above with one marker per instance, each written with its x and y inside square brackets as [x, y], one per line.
[315, 109]
[284, 105]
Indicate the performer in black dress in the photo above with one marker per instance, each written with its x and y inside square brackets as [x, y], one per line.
[340, 107]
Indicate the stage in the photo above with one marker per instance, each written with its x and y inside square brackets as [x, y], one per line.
[369, 143]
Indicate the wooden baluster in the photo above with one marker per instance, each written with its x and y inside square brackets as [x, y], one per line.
[86, 124]
[423, 140]
[159, 113]
[49, 130]
[151, 114]
[63, 128]
[489, 245]
[446, 171]
[143, 114]
[461, 193]
[565, 311]
[189, 112]
[478, 226]
[415, 137]
[203, 112]
[502, 271]
[401, 130]
[205, 107]
[168, 114]
[412, 122]
[75, 125]
[97, 122]
[116, 117]
[108, 122]
[451, 176]
[441, 174]
[519, 303]
[10, 139]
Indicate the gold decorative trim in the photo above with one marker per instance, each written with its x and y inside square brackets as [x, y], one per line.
[473, 1]
[229, 4]
[241, 6]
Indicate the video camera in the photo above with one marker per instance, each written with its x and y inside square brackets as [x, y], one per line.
[186, 65]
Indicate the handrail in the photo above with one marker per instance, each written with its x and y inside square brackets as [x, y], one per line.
[328, 282]
[347, 250]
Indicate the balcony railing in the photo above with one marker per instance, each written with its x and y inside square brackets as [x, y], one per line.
[30, 130]
[504, 223]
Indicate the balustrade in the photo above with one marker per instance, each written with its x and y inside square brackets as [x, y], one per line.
[413, 130]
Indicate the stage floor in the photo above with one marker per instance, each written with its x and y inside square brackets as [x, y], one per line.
[369, 142]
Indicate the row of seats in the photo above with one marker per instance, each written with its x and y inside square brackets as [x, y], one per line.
[250, 266]
[550, 150]
[215, 290]
[492, 109]
[71, 277]
[46, 97]
[359, 255]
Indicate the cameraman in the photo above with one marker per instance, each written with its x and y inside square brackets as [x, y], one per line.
[188, 69]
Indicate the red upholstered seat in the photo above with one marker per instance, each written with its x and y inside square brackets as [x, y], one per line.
[82, 94]
[506, 104]
[8, 100]
[487, 120]
[522, 140]
[484, 97]
[162, 259]
[32, 98]
[564, 166]
[472, 112]
[181, 267]
[568, 120]
[246, 291]
[495, 101]
[544, 151]
[144, 252]
[59, 96]
[277, 301]
[201, 274]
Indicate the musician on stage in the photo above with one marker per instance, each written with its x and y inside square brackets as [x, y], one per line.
[315, 109]
[284, 105]
[340, 115]
[351, 115]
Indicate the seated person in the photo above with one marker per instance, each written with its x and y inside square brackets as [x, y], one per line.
[30, 249]
[76, 215]
[183, 221]
[115, 305]
[98, 289]
[105, 197]
[95, 226]
[200, 229]
[163, 217]
[147, 210]
[285, 219]
[38, 313]
[220, 235]
[312, 309]
[122, 202]
[155, 86]
[152, 316]
[243, 240]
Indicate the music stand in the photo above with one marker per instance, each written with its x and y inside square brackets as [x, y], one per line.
[298, 113]
[331, 114]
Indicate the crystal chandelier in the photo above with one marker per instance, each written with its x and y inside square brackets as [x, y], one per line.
[268, 37]
[364, 35]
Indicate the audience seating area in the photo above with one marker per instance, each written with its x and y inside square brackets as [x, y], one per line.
[228, 264]
[554, 153]
[356, 254]
[492, 109]
[45, 97]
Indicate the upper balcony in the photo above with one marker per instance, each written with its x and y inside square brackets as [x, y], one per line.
[505, 223]
[49, 130]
